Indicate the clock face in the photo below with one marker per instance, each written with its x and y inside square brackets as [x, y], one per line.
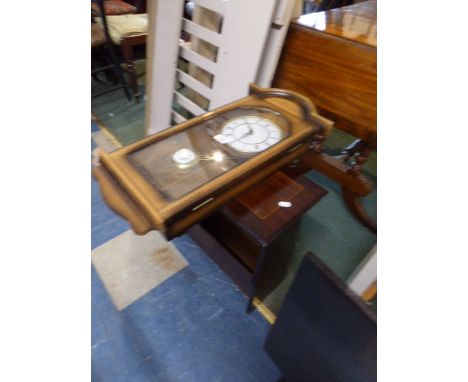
[251, 134]
[184, 161]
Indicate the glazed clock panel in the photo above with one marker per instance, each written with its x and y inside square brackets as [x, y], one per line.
[177, 177]
[186, 160]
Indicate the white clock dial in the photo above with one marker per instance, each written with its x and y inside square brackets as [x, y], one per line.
[251, 134]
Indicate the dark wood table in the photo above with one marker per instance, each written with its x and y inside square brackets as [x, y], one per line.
[252, 237]
[331, 57]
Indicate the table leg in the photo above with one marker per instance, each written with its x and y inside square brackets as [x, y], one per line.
[357, 154]
[345, 169]
[357, 209]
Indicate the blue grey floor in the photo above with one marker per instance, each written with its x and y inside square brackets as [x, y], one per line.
[192, 327]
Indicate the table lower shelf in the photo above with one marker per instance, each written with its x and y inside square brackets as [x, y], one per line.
[240, 275]
[251, 238]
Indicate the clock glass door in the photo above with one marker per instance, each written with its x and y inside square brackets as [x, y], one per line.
[186, 160]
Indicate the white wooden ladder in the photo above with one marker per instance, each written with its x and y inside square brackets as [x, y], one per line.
[232, 43]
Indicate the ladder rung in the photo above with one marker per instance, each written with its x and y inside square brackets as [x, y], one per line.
[214, 5]
[188, 104]
[198, 59]
[194, 84]
[202, 32]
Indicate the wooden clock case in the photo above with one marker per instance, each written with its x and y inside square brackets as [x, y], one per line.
[130, 195]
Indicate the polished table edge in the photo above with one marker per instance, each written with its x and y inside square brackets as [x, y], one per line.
[357, 23]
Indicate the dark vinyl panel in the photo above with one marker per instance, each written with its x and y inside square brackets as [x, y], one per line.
[324, 332]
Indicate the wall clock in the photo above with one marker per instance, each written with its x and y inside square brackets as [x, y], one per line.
[173, 179]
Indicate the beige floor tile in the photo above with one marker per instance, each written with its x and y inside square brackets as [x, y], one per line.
[130, 265]
[103, 141]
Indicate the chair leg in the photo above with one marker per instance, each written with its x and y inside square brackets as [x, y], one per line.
[119, 73]
[111, 50]
[133, 79]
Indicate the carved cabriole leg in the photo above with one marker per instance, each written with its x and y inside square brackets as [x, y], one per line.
[335, 170]
[357, 209]
[356, 155]
[353, 158]
[350, 151]
[354, 184]
[363, 152]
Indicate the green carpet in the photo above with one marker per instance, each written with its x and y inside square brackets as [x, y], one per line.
[328, 229]
[123, 118]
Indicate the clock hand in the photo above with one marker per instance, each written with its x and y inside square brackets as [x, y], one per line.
[244, 135]
[223, 139]
[250, 132]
